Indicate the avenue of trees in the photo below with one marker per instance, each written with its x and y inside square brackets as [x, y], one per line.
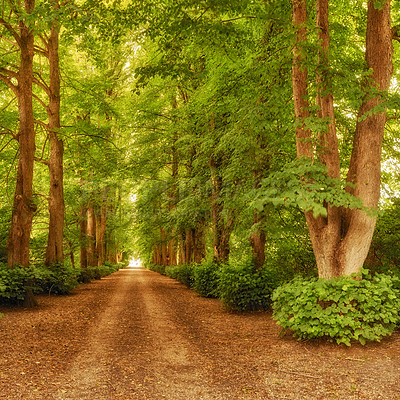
[236, 140]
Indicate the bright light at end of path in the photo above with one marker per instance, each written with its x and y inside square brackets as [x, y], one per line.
[134, 263]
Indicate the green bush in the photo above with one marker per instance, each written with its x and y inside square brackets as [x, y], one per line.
[341, 309]
[182, 273]
[57, 279]
[244, 288]
[157, 268]
[89, 274]
[206, 279]
[14, 282]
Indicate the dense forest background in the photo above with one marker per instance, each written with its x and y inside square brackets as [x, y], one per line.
[168, 131]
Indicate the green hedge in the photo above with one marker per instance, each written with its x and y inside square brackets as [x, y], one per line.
[182, 273]
[241, 287]
[13, 282]
[156, 268]
[244, 288]
[206, 279]
[57, 279]
[341, 309]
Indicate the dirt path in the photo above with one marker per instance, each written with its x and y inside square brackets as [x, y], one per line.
[139, 335]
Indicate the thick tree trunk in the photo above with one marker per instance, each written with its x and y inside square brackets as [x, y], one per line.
[342, 239]
[23, 205]
[365, 164]
[55, 252]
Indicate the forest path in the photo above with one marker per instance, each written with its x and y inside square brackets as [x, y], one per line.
[140, 335]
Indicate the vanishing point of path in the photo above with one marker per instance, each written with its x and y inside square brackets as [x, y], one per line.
[139, 335]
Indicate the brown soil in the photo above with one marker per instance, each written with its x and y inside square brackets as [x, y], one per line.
[140, 335]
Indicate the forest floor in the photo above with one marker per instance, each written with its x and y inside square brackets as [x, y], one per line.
[140, 335]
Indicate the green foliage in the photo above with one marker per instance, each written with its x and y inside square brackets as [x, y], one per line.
[243, 288]
[14, 282]
[305, 184]
[384, 256]
[94, 273]
[156, 268]
[182, 273]
[206, 279]
[56, 279]
[343, 309]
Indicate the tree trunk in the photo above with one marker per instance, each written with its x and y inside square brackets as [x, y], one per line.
[83, 256]
[221, 229]
[258, 240]
[365, 163]
[101, 224]
[342, 239]
[55, 252]
[199, 245]
[91, 233]
[23, 205]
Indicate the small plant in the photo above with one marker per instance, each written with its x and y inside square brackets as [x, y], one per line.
[360, 308]
[244, 288]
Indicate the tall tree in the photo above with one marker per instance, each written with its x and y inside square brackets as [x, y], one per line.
[55, 252]
[341, 239]
[23, 204]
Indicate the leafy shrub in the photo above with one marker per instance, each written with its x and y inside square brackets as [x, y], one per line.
[89, 274]
[244, 288]
[182, 273]
[14, 282]
[157, 268]
[340, 309]
[206, 279]
[57, 279]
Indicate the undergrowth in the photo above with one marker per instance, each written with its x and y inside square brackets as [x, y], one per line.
[56, 279]
[345, 309]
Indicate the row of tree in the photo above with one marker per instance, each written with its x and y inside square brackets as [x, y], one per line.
[230, 94]
[231, 119]
[61, 149]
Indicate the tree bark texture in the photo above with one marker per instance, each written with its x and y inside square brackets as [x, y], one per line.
[55, 251]
[342, 239]
[23, 204]
[91, 234]
[83, 238]
[101, 224]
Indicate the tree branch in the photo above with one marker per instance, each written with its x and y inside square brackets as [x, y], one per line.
[12, 138]
[8, 82]
[41, 83]
[11, 30]
[237, 18]
[9, 103]
[42, 124]
[42, 103]
[41, 51]
[396, 33]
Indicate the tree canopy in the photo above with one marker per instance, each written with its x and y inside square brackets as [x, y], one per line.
[183, 131]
